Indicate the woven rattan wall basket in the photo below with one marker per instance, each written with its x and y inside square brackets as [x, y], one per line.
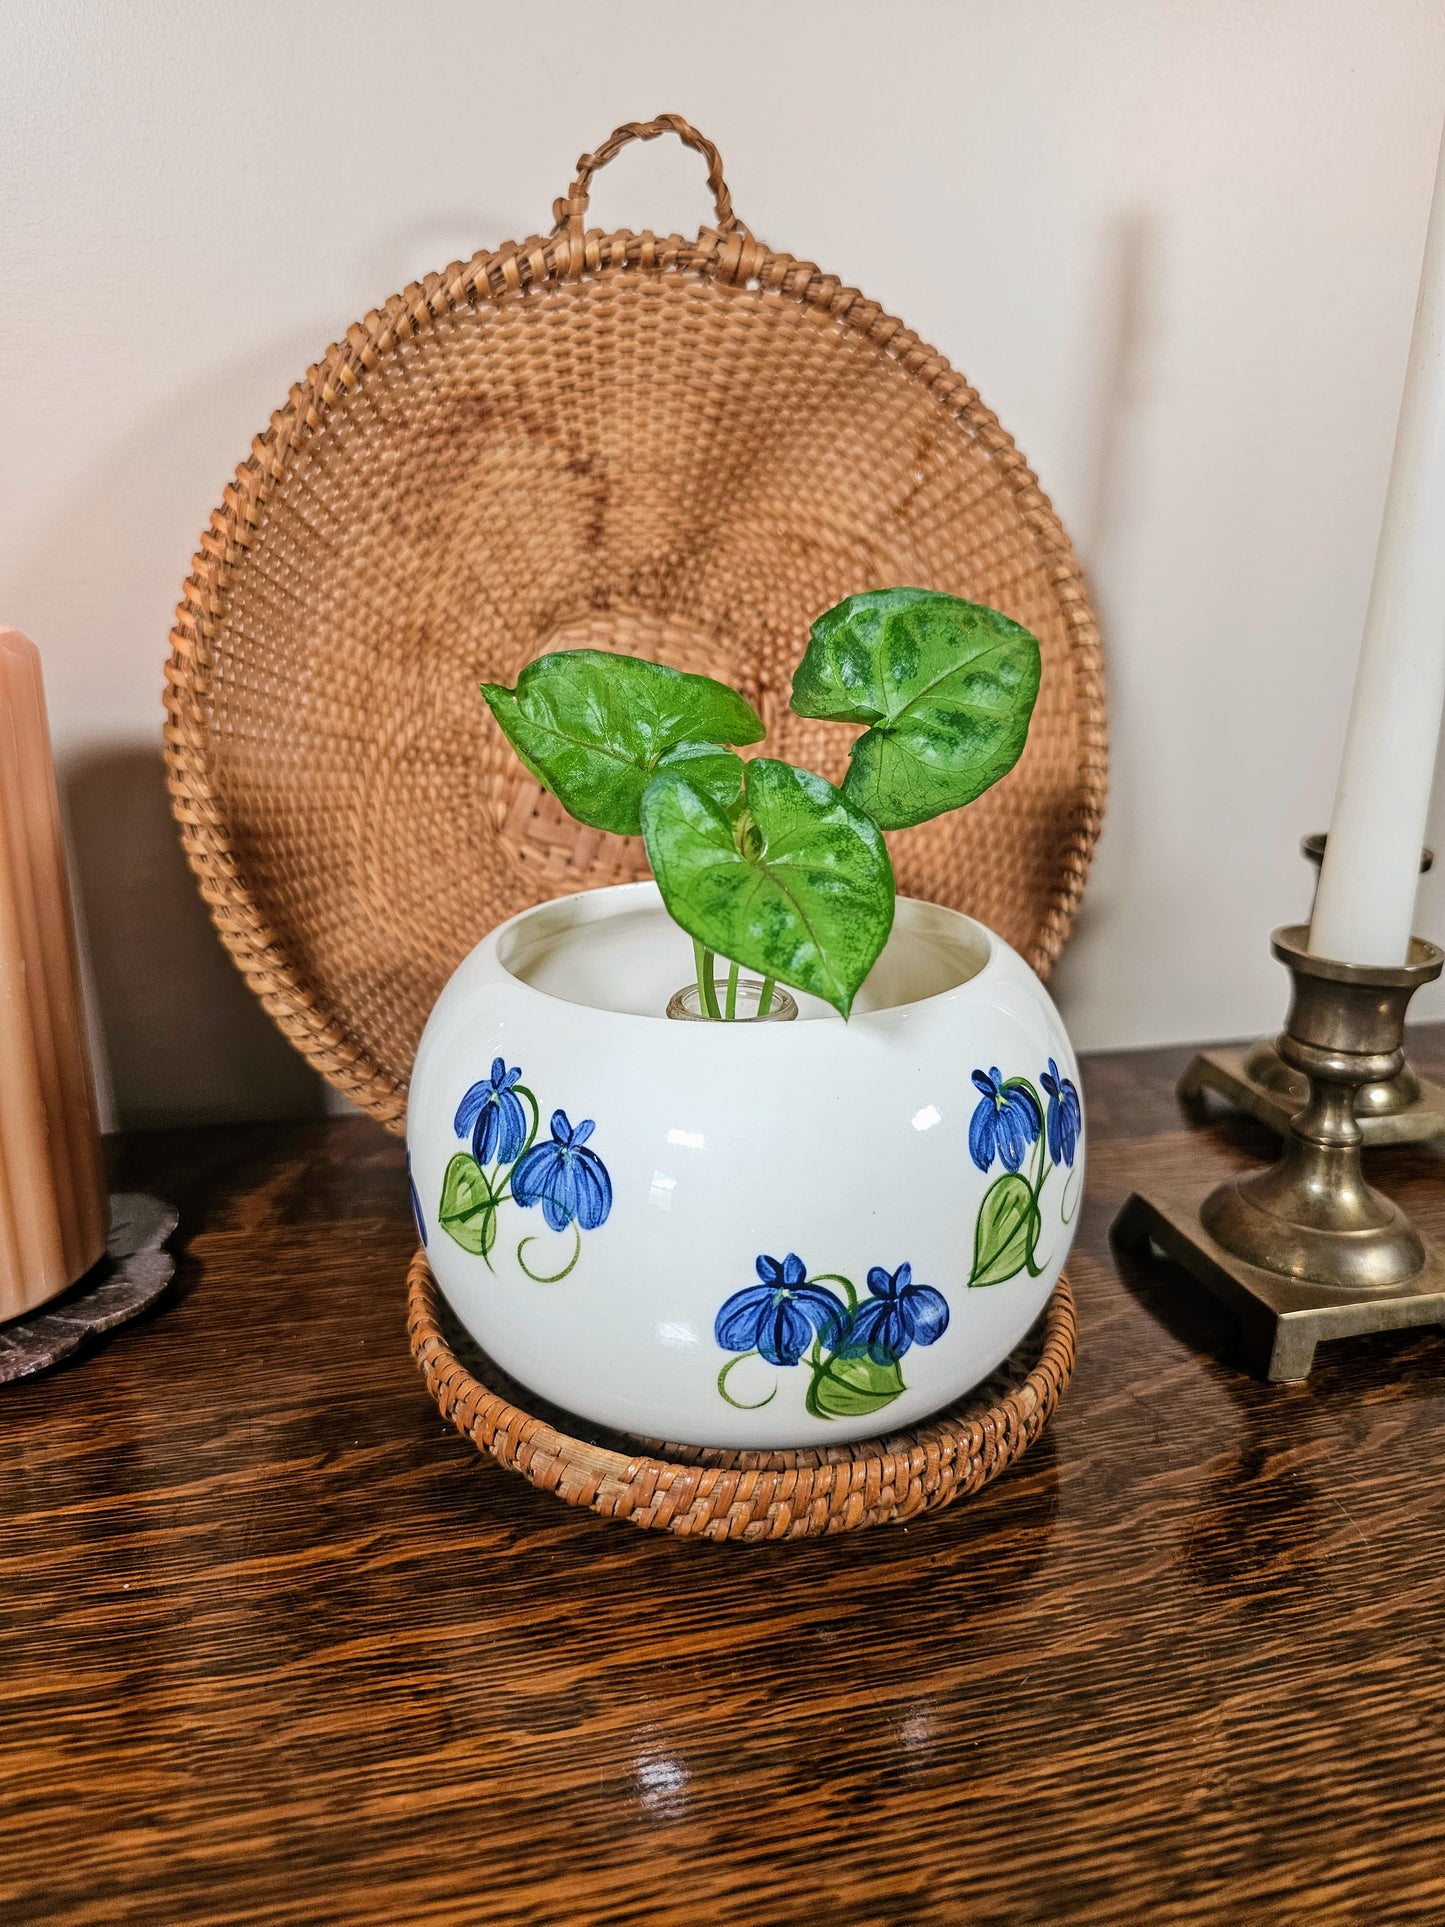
[678, 448]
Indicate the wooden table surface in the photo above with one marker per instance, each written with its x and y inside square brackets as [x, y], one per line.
[277, 1646]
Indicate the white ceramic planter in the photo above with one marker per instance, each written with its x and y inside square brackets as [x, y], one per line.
[771, 1234]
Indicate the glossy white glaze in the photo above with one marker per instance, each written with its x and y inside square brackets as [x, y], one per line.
[847, 1144]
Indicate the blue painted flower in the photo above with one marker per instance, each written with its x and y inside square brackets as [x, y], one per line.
[493, 1113]
[779, 1316]
[416, 1210]
[898, 1314]
[1006, 1122]
[564, 1177]
[1066, 1116]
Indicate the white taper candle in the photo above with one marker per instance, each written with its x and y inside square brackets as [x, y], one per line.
[1366, 901]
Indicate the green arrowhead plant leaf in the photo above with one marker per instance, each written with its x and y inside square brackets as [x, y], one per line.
[711, 768]
[793, 881]
[946, 686]
[594, 728]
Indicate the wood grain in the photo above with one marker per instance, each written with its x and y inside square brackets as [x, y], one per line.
[277, 1646]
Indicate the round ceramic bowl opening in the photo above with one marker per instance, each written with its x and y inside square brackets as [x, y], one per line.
[764, 1235]
[618, 950]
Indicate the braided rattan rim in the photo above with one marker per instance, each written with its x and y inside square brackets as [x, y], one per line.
[726, 254]
[755, 1495]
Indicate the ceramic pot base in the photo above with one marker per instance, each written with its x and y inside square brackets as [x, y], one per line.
[130, 1277]
[750, 1495]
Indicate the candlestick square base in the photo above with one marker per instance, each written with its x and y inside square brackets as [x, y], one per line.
[1281, 1319]
[1229, 1073]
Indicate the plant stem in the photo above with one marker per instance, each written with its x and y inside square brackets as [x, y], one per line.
[765, 996]
[732, 1003]
[706, 994]
[707, 984]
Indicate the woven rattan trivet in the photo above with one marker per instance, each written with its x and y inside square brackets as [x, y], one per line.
[745, 1495]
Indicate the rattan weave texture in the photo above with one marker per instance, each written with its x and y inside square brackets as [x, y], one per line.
[747, 1495]
[679, 448]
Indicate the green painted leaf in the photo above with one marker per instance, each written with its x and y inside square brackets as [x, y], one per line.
[468, 1210]
[850, 1384]
[593, 727]
[1006, 1232]
[795, 883]
[948, 687]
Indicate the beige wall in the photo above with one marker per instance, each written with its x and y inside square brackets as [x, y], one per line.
[1174, 244]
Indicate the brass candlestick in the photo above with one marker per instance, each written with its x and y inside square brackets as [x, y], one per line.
[1307, 1249]
[1403, 1109]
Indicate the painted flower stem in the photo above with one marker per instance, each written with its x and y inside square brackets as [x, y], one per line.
[837, 1278]
[552, 1277]
[738, 1404]
[1073, 1186]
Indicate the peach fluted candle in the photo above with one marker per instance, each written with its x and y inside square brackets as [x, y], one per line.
[53, 1208]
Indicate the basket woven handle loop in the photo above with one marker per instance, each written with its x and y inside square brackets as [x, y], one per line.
[571, 211]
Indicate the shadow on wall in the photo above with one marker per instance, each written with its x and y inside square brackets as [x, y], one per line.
[186, 1040]
[1119, 351]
